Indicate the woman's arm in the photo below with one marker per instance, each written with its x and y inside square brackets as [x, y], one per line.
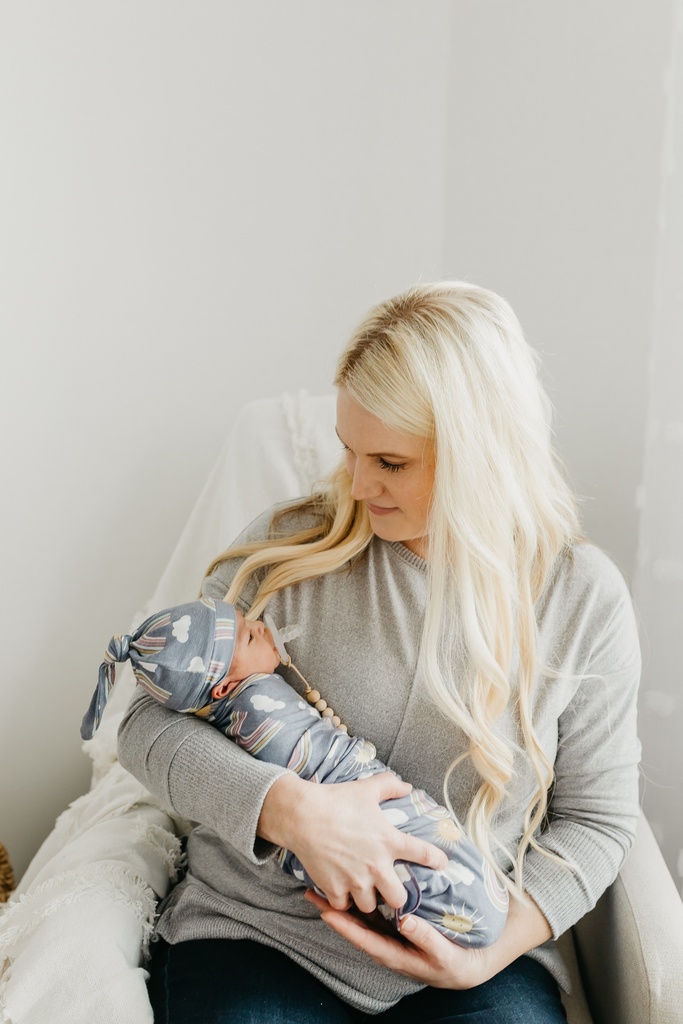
[197, 772]
[429, 957]
[594, 807]
[339, 832]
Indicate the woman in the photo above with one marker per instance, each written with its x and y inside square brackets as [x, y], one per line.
[458, 621]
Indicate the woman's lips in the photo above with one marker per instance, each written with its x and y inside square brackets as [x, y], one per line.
[377, 510]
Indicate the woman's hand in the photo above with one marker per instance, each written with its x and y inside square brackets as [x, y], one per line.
[431, 958]
[428, 956]
[343, 839]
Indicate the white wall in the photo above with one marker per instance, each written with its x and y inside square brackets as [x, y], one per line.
[198, 203]
[556, 114]
[554, 172]
[658, 584]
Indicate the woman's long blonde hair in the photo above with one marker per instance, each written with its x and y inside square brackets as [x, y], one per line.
[449, 362]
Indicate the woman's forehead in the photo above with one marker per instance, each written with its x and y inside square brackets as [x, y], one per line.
[358, 428]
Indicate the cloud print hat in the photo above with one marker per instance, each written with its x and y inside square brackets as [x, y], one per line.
[177, 656]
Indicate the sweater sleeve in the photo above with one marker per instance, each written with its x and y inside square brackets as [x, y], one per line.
[195, 770]
[594, 807]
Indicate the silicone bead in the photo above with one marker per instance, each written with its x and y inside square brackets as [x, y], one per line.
[336, 720]
[313, 696]
[321, 704]
[328, 713]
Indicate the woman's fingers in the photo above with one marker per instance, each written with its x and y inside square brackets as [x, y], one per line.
[391, 889]
[427, 956]
[386, 950]
[313, 897]
[388, 786]
[418, 851]
[349, 847]
[425, 938]
[339, 902]
[366, 899]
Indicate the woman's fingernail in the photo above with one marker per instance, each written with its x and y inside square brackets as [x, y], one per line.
[408, 925]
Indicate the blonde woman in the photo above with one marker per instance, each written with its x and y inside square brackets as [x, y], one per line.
[459, 621]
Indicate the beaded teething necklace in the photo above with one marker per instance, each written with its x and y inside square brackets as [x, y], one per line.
[312, 696]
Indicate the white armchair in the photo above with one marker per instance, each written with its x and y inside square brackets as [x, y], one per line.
[72, 936]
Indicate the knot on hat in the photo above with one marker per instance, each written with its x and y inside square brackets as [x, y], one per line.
[118, 648]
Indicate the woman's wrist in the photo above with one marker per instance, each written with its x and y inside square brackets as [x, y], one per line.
[525, 929]
[280, 810]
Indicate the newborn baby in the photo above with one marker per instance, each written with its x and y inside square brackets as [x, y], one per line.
[204, 658]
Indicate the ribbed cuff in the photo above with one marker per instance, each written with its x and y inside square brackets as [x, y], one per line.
[210, 780]
[565, 894]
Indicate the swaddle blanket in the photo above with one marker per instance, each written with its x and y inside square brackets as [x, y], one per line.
[465, 901]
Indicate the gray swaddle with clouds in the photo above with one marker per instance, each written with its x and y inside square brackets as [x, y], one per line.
[465, 901]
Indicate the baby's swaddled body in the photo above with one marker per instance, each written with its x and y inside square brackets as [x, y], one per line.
[465, 901]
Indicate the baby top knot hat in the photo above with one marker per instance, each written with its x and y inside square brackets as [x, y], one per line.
[177, 655]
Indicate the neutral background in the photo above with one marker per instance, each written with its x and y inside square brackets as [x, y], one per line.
[198, 202]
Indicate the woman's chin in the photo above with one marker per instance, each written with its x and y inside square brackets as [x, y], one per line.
[418, 544]
[385, 529]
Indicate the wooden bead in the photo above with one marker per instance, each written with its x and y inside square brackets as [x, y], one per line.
[320, 704]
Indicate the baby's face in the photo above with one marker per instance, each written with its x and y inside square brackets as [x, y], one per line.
[255, 650]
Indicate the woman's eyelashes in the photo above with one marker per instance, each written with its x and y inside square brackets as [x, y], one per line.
[392, 467]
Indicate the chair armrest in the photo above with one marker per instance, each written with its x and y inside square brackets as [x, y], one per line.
[630, 947]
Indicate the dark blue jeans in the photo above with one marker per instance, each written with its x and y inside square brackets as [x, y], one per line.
[224, 981]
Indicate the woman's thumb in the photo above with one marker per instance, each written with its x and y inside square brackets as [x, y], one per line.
[417, 931]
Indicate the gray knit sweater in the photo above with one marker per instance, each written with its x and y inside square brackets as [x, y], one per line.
[363, 624]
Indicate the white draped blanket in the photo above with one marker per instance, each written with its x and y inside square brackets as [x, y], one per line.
[74, 935]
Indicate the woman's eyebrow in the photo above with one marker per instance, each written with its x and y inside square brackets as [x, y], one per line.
[377, 455]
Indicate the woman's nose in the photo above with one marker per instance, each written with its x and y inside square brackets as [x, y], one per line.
[364, 483]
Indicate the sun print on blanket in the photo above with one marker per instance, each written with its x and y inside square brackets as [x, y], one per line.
[460, 923]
